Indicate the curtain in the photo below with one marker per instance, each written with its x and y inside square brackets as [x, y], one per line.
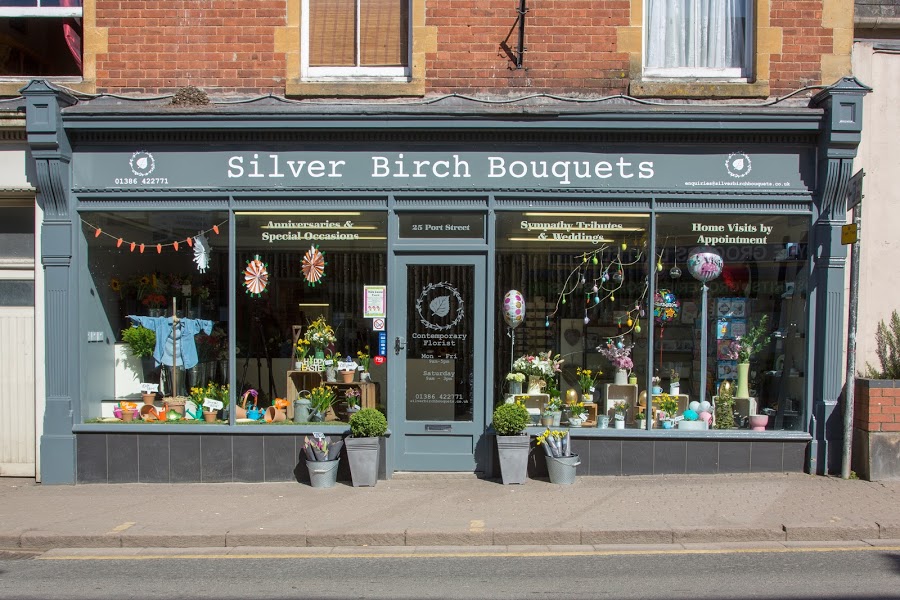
[696, 33]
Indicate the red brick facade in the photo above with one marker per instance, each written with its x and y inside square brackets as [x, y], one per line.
[877, 405]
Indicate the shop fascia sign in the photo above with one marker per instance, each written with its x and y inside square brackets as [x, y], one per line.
[740, 170]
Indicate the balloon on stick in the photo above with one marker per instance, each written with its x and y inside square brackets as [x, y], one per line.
[513, 314]
[704, 264]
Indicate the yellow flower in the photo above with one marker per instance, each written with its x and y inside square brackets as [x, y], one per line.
[115, 284]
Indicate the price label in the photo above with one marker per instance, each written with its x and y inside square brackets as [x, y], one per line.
[212, 404]
[318, 435]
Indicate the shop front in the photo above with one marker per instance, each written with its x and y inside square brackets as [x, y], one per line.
[251, 259]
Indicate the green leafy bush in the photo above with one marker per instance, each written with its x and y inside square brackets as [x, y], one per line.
[511, 419]
[368, 422]
[887, 347]
[141, 340]
[725, 408]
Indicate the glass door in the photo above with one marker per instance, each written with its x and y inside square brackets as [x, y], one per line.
[439, 355]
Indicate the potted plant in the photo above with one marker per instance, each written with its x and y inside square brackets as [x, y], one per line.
[366, 427]
[620, 407]
[320, 335]
[301, 349]
[561, 463]
[514, 381]
[674, 382]
[331, 361]
[724, 406]
[586, 379]
[321, 399]
[553, 408]
[641, 419]
[322, 459]
[351, 397]
[142, 342]
[510, 421]
[668, 406]
[540, 369]
[742, 350]
[577, 414]
[655, 387]
[619, 355]
[364, 361]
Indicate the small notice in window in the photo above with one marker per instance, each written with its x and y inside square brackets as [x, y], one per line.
[374, 301]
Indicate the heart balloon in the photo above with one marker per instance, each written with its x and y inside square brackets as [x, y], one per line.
[513, 308]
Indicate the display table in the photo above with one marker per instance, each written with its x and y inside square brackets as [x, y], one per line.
[298, 381]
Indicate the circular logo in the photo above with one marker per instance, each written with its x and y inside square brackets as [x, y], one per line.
[738, 164]
[142, 163]
[440, 306]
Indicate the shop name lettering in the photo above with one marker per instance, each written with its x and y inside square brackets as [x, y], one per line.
[564, 172]
[731, 233]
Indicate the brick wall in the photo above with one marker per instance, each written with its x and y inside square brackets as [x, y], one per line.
[804, 41]
[877, 405]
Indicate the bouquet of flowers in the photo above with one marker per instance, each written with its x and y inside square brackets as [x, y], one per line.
[520, 377]
[352, 397]
[364, 358]
[301, 348]
[320, 334]
[154, 301]
[576, 409]
[621, 407]
[618, 354]
[669, 405]
[743, 348]
[555, 443]
[586, 379]
[544, 364]
[321, 398]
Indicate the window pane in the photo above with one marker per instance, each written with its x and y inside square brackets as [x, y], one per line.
[126, 287]
[696, 33]
[763, 284]
[40, 46]
[17, 233]
[16, 293]
[332, 33]
[41, 3]
[384, 27]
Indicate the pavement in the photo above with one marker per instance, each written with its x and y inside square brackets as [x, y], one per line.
[450, 510]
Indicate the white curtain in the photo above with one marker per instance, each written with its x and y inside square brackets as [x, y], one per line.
[696, 33]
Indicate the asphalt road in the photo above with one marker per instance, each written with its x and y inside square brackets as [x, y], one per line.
[823, 572]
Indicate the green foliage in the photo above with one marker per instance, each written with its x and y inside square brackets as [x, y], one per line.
[141, 340]
[511, 419]
[368, 422]
[725, 409]
[887, 347]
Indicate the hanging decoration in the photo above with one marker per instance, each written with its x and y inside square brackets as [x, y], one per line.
[704, 263]
[513, 308]
[256, 277]
[160, 246]
[313, 265]
[666, 308]
[201, 251]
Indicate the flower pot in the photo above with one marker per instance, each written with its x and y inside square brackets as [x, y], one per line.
[619, 423]
[365, 376]
[547, 420]
[758, 422]
[674, 389]
[363, 456]
[695, 425]
[274, 415]
[209, 416]
[347, 376]
[557, 416]
[562, 469]
[632, 380]
[535, 384]
[515, 387]
[743, 380]
[322, 473]
[240, 412]
[148, 399]
[621, 377]
[602, 421]
[176, 405]
[575, 421]
[127, 415]
[513, 452]
[149, 413]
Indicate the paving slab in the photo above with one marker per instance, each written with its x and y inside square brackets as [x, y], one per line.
[693, 535]
[799, 533]
[526, 537]
[147, 540]
[419, 537]
[397, 538]
[627, 536]
[265, 539]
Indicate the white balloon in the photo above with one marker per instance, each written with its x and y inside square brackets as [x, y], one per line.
[705, 406]
[694, 406]
[513, 308]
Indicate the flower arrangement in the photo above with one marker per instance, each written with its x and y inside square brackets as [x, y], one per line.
[674, 376]
[553, 405]
[364, 359]
[743, 348]
[520, 377]
[618, 354]
[320, 334]
[154, 301]
[555, 443]
[321, 398]
[543, 364]
[320, 449]
[576, 409]
[621, 407]
[668, 404]
[586, 379]
[352, 397]
[301, 348]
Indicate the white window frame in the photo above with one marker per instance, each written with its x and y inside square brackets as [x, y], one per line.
[41, 11]
[735, 74]
[359, 73]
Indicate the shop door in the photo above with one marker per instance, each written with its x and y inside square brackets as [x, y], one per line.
[439, 357]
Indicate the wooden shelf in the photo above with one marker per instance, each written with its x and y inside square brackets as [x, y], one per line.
[307, 380]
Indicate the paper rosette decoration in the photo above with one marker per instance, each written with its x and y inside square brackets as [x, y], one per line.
[665, 306]
[513, 308]
[201, 252]
[705, 263]
[313, 266]
[256, 277]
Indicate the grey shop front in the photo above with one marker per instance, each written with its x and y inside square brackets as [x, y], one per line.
[403, 228]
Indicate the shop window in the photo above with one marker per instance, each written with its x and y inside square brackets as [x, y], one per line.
[697, 38]
[302, 331]
[757, 314]
[41, 38]
[355, 40]
[143, 269]
[583, 277]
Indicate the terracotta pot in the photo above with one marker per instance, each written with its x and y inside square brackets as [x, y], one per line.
[347, 376]
[148, 413]
[148, 399]
[127, 415]
[240, 412]
[209, 416]
[274, 415]
[176, 407]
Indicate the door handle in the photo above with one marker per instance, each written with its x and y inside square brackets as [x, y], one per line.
[399, 344]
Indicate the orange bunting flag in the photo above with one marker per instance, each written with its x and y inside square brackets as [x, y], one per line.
[216, 229]
[132, 246]
[175, 243]
[119, 243]
[142, 248]
[190, 242]
[159, 248]
[98, 232]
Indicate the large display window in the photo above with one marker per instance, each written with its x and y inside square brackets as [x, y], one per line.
[156, 284]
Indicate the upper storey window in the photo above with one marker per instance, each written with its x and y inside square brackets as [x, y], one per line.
[697, 38]
[40, 38]
[355, 39]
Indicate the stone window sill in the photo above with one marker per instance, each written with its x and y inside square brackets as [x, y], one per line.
[697, 89]
[359, 89]
[12, 88]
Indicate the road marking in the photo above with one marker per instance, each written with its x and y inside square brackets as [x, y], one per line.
[473, 554]
[122, 527]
